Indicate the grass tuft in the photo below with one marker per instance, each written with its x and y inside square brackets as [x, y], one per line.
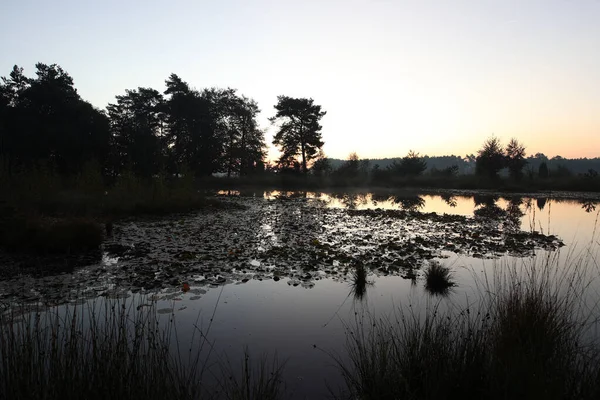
[438, 279]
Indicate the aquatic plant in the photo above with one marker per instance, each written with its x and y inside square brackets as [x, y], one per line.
[359, 282]
[438, 278]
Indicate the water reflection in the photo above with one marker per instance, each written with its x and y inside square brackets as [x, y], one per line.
[486, 207]
[359, 282]
[541, 202]
[512, 223]
[588, 206]
[352, 200]
[409, 202]
[449, 199]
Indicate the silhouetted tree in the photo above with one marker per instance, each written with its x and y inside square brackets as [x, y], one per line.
[515, 159]
[299, 132]
[192, 134]
[137, 123]
[490, 158]
[350, 167]
[412, 164]
[45, 121]
[321, 165]
[244, 141]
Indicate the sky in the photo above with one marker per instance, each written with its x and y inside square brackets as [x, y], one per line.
[437, 77]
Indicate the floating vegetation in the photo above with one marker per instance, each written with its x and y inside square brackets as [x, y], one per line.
[291, 237]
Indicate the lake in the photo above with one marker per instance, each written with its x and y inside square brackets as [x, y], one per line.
[276, 272]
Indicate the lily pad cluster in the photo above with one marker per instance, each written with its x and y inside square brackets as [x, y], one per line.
[300, 240]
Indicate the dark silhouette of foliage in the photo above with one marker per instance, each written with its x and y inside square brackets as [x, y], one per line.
[410, 165]
[413, 164]
[543, 170]
[137, 122]
[45, 122]
[490, 158]
[299, 131]
[321, 166]
[448, 172]
[541, 202]
[515, 159]
[561, 171]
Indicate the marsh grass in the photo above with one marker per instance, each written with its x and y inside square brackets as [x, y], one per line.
[257, 380]
[115, 351]
[438, 279]
[530, 336]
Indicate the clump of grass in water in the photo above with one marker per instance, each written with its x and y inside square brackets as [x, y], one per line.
[118, 353]
[359, 282]
[438, 279]
[527, 338]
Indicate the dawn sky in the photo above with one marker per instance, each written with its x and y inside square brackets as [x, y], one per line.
[436, 77]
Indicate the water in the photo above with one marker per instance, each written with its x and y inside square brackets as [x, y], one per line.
[277, 276]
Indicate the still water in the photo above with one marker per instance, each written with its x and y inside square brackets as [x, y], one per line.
[276, 276]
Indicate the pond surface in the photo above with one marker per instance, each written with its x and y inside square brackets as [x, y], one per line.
[279, 274]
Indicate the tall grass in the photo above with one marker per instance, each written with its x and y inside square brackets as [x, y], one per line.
[530, 336]
[114, 351]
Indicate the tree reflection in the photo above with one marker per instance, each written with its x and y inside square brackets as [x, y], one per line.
[408, 202]
[379, 198]
[352, 200]
[588, 206]
[486, 207]
[449, 199]
[359, 282]
[541, 202]
[514, 214]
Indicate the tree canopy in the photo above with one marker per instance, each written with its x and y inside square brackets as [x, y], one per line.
[44, 121]
[299, 133]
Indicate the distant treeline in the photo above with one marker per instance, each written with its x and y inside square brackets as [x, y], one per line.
[46, 125]
[466, 164]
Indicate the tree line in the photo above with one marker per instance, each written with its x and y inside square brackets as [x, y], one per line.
[45, 122]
